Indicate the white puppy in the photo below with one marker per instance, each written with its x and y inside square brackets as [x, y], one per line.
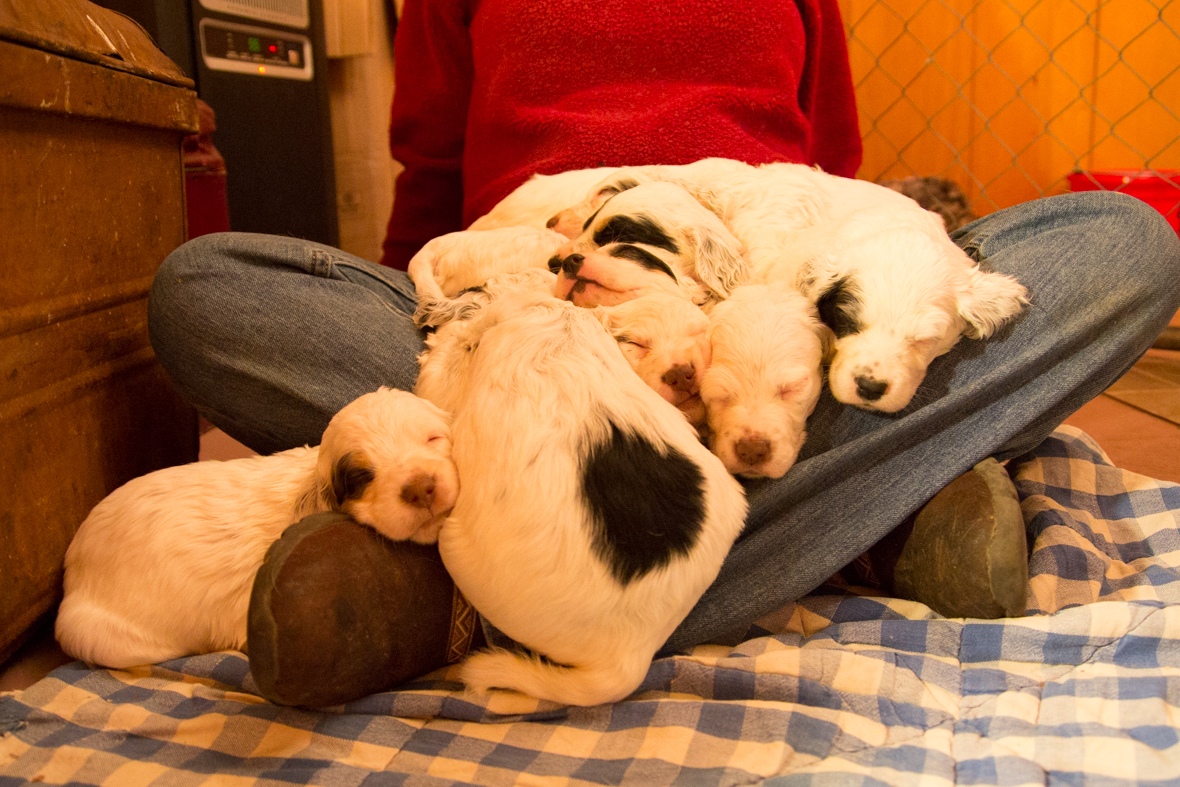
[651, 238]
[163, 567]
[591, 518]
[536, 201]
[664, 339]
[451, 263]
[764, 379]
[897, 293]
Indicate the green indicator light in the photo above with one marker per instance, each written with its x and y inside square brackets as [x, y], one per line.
[254, 44]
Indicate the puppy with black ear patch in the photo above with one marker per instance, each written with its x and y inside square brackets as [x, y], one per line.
[897, 292]
[163, 567]
[654, 237]
[591, 519]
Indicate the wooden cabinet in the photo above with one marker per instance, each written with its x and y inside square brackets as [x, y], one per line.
[91, 201]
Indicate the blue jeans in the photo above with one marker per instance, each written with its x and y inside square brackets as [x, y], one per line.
[269, 336]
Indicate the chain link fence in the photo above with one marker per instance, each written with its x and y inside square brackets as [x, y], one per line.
[1007, 98]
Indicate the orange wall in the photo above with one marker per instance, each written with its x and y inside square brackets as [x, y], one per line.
[1007, 98]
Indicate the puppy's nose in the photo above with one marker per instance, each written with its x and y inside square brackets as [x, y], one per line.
[571, 265]
[419, 491]
[552, 222]
[752, 451]
[555, 264]
[870, 389]
[680, 377]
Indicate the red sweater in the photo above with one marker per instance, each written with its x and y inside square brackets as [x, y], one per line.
[489, 92]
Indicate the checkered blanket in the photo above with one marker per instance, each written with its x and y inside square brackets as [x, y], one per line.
[837, 689]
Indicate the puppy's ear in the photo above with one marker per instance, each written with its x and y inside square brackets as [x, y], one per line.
[350, 477]
[989, 301]
[719, 263]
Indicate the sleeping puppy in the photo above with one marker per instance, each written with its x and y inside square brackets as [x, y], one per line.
[654, 237]
[534, 202]
[163, 566]
[451, 263]
[897, 293]
[591, 519]
[663, 338]
[764, 379]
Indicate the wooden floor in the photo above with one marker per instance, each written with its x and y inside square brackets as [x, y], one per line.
[1143, 437]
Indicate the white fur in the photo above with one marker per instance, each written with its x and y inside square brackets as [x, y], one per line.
[664, 339]
[434, 312]
[451, 263]
[163, 567]
[534, 202]
[764, 379]
[535, 384]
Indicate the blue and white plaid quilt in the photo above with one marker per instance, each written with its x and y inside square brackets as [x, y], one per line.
[836, 689]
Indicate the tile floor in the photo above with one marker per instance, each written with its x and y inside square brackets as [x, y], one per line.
[1137, 423]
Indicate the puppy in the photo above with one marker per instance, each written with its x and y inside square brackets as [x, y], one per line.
[664, 339]
[765, 377]
[591, 518]
[534, 202]
[451, 263]
[654, 237]
[163, 566]
[897, 293]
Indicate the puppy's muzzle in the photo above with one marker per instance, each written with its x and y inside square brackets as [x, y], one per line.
[419, 491]
[568, 267]
[869, 388]
[752, 451]
[681, 377]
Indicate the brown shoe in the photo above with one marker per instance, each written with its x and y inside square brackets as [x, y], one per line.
[964, 554]
[339, 612]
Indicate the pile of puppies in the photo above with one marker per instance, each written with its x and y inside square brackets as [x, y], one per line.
[790, 269]
[583, 336]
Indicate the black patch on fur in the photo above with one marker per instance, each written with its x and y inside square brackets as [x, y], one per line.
[350, 477]
[555, 264]
[587, 222]
[634, 229]
[645, 258]
[838, 309]
[647, 507]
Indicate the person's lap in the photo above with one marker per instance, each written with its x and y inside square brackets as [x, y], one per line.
[268, 337]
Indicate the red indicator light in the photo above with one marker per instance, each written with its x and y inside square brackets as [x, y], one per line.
[274, 48]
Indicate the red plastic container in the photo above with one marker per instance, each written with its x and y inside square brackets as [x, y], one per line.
[1158, 188]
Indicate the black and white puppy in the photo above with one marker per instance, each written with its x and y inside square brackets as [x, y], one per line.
[591, 518]
[163, 567]
[654, 237]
